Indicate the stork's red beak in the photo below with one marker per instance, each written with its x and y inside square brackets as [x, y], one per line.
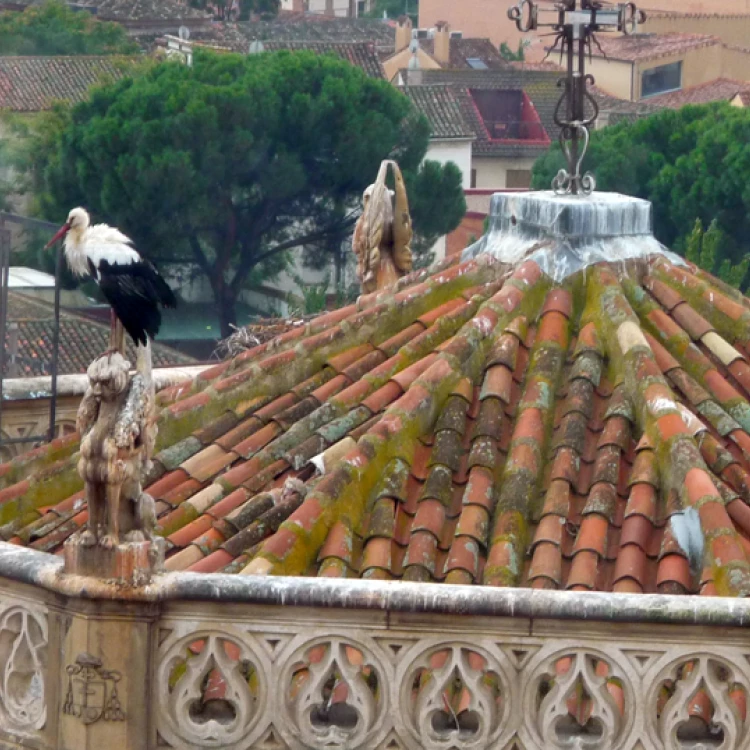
[61, 232]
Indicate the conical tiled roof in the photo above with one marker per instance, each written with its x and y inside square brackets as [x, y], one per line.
[478, 423]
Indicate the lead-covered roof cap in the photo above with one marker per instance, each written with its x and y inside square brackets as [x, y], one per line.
[567, 233]
[478, 423]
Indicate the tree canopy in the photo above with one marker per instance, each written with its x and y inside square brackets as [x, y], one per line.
[436, 202]
[55, 29]
[395, 9]
[692, 164]
[237, 160]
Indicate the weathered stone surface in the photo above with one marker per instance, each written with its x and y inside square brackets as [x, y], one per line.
[130, 563]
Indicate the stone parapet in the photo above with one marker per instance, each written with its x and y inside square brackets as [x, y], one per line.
[215, 661]
[129, 563]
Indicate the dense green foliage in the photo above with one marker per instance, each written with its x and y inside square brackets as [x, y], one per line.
[233, 162]
[508, 54]
[692, 163]
[54, 29]
[706, 249]
[395, 9]
[312, 298]
[437, 205]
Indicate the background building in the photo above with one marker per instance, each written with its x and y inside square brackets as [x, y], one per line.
[645, 66]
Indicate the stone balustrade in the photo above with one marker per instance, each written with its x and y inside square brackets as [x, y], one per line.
[235, 662]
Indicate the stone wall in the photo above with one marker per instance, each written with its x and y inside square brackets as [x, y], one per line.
[240, 662]
[26, 404]
[27, 417]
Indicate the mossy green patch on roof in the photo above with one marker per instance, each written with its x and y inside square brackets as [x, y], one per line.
[476, 423]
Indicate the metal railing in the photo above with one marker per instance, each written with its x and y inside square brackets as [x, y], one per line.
[5, 253]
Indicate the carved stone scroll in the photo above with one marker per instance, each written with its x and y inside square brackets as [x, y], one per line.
[308, 683]
[23, 654]
[334, 694]
[214, 688]
[459, 695]
[701, 701]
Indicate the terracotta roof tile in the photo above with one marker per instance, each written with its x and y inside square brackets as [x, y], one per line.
[33, 84]
[719, 89]
[81, 339]
[464, 49]
[651, 46]
[495, 441]
[362, 54]
[442, 108]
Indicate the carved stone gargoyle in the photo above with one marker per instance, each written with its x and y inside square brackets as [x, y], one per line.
[116, 421]
[382, 237]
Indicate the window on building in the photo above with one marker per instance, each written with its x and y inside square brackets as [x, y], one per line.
[476, 63]
[473, 178]
[361, 8]
[518, 178]
[508, 115]
[661, 80]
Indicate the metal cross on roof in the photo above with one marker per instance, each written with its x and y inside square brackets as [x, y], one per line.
[574, 24]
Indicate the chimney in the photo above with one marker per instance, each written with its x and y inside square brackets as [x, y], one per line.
[403, 32]
[442, 43]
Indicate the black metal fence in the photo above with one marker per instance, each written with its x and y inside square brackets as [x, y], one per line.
[5, 324]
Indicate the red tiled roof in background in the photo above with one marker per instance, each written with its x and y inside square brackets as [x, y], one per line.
[131, 10]
[81, 340]
[654, 14]
[722, 89]
[302, 27]
[649, 46]
[476, 424]
[442, 108]
[33, 84]
[361, 54]
[547, 65]
[462, 50]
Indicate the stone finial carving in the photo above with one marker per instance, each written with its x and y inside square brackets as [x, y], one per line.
[382, 237]
[24, 640]
[116, 420]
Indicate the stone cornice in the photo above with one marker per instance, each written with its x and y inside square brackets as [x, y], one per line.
[42, 570]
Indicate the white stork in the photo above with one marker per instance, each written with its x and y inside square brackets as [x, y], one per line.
[131, 285]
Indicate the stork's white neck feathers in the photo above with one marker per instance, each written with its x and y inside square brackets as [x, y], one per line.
[75, 251]
[84, 243]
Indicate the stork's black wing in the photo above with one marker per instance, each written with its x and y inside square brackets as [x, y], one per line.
[135, 291]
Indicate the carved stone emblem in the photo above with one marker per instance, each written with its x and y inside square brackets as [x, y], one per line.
[92, 691]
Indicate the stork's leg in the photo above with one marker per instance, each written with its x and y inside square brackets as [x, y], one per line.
[119, 337]
[116, 336]
[112, 329]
